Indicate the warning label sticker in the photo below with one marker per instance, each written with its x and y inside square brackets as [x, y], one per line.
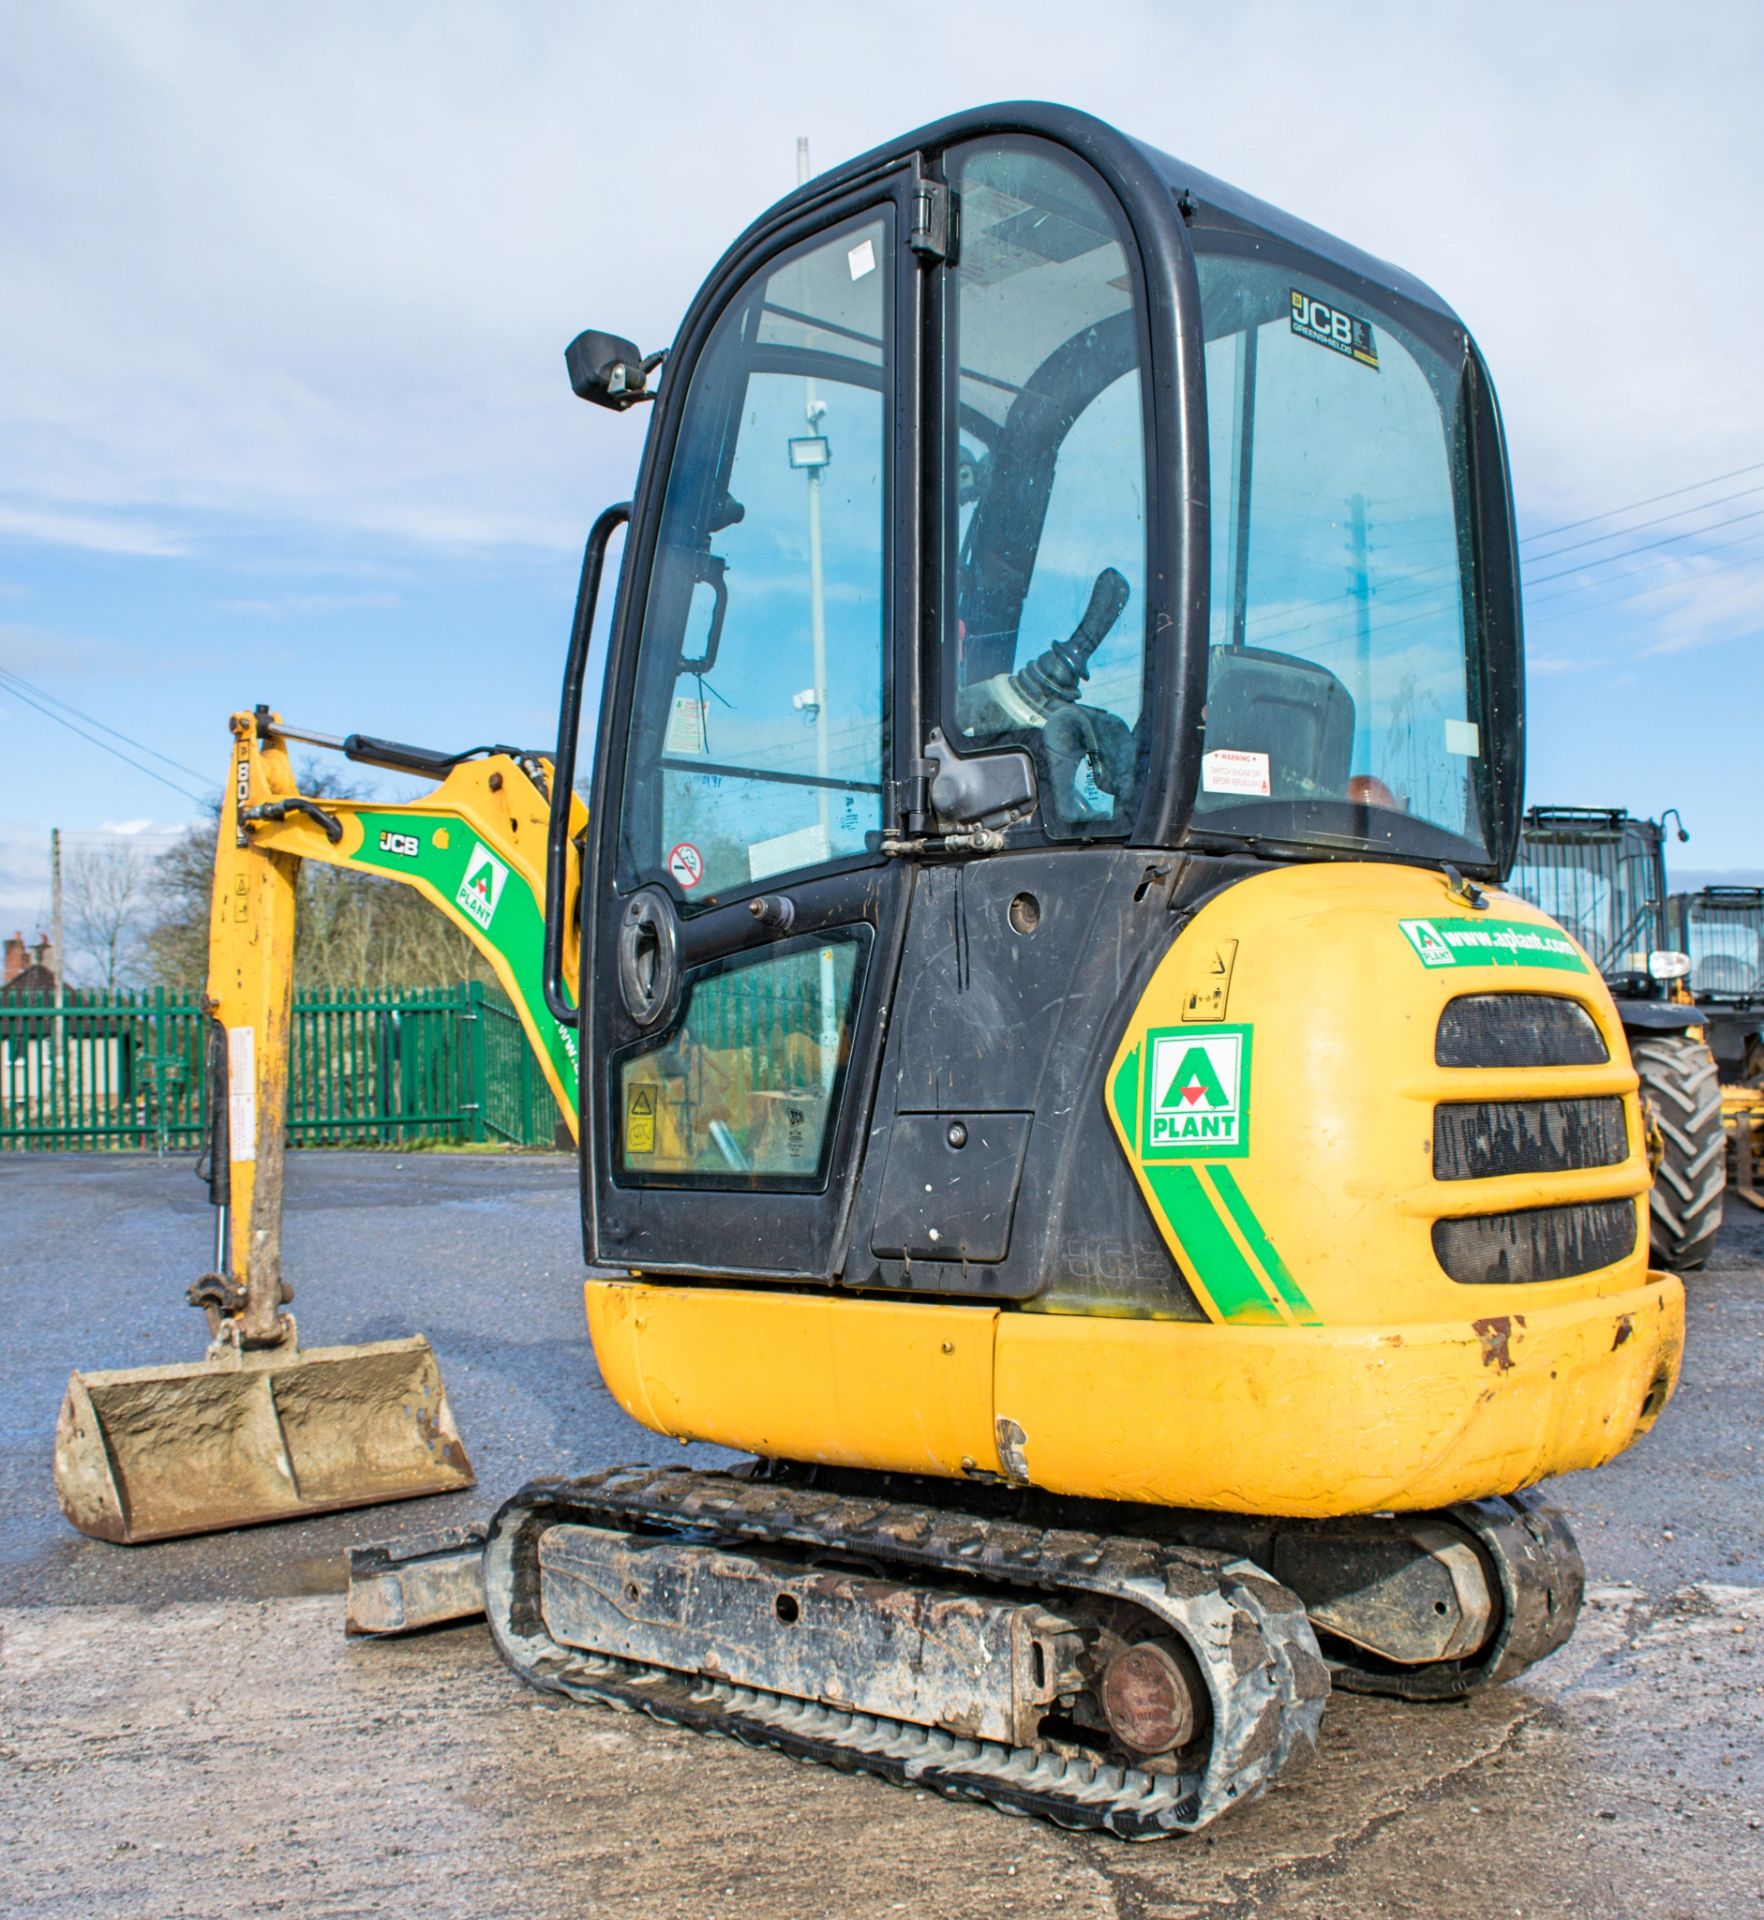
[1225, 770]
[1197, 1093]
[640, 1120]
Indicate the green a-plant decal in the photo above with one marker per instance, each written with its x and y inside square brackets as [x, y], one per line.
[1196, 1093]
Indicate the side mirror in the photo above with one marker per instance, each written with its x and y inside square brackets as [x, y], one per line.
[608, 370]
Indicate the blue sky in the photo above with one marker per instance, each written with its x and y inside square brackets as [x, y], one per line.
[282, 407]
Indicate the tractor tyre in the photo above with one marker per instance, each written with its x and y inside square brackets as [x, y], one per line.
[1681, 1097]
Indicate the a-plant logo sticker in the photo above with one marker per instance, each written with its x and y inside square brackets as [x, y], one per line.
[479, 891]
[1424, 938]
[1482, 942]
[1197, 1093]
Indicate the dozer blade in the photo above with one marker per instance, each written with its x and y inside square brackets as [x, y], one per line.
[429, 1580]
[149, 1453]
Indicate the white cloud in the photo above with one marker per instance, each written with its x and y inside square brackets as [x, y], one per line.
[96, 533]
[308, 603]
[1708, 612]
[320, 265]
[142, 829]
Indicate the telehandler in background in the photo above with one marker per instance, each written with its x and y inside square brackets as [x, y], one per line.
[262, 1429]
[1066, 662]
[1601, 872]
[1722, 930]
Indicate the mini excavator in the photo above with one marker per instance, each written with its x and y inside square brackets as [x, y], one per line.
[1062, 1085]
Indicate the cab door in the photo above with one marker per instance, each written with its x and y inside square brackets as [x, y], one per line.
[742, 924]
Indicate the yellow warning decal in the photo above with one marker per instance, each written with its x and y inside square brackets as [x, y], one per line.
[640, 1120]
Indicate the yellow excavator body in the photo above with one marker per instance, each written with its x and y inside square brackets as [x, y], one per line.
[1347, 1367]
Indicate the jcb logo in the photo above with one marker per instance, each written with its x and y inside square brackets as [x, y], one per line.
[402, 844]
[1331, 327]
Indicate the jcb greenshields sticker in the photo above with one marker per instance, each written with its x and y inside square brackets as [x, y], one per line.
[1491, 943]
[1196, 1093]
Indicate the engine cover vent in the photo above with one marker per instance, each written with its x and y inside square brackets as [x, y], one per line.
[1518, 1030]
[1480, 1139]
[1541, 1243]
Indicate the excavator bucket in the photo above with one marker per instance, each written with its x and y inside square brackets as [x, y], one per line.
[148, 1453]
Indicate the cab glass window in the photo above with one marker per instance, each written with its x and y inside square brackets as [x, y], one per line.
[1343, 685]
[756, 732]
[1046, 506]
[743, 1092]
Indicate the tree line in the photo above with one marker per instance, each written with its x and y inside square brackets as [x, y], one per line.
[133, 918]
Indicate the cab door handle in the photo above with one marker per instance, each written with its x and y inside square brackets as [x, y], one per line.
[563, 764]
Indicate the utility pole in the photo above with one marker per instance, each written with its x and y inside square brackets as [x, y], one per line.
[55, 917]
[1360, 590]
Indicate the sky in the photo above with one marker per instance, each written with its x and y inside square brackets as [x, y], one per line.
[283, 414]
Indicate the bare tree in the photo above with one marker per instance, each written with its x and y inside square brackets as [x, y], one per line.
[351, 929]
[107, 907]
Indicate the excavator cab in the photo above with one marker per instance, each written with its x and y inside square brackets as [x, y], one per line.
[1029, 527]
[1061, 1083]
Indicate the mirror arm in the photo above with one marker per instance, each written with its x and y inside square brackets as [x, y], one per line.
[563, 766]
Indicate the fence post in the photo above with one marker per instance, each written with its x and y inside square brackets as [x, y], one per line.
[477, 1065]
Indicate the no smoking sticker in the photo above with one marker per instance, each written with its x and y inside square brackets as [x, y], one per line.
[686, 865]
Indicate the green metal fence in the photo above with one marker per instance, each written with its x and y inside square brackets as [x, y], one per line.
[128, 1070]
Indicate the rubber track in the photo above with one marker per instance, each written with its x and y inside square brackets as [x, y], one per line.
[1251, 1641]
[1682, 1092]
[1542, 1583]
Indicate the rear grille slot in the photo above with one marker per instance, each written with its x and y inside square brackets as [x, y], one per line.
[1542, 1243]
[1481, 1139]
[1518, 1030]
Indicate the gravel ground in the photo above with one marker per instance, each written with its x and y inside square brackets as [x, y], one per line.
[184, 1730]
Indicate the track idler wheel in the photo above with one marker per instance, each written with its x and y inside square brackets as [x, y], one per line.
[1537, 1581]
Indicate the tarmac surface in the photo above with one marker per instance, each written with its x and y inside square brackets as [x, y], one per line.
[184, 1729]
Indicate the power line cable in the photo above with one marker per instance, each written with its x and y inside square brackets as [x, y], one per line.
[48, 713]
[1653, 499]
[1641, 526]
[1419, 582]
[1658, 560]
[1628, 553]
[1643, 593]
[67, 706]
